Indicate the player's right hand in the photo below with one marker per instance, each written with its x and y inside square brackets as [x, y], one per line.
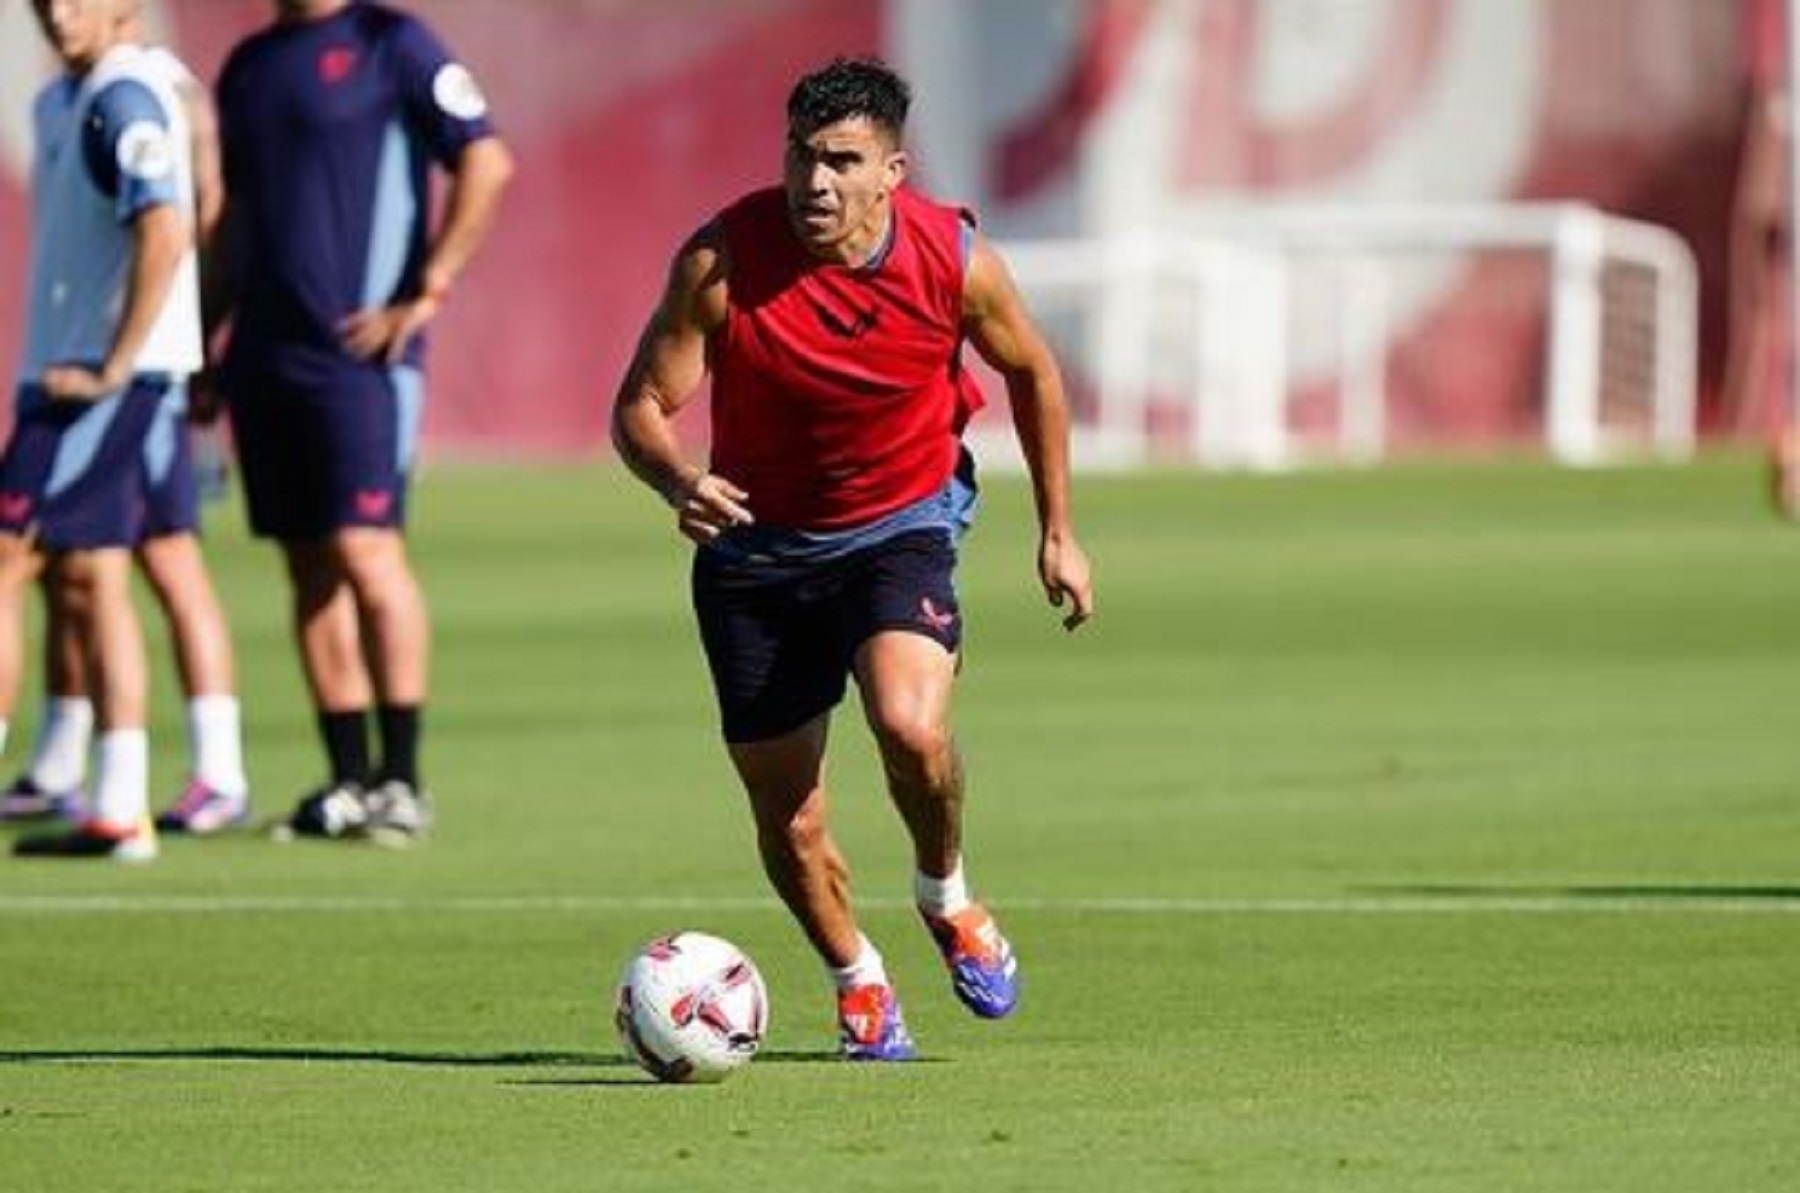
[711, 506]
[78, 383]
[382, 333]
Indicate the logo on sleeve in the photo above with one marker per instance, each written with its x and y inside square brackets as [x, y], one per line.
[144, 151]
[456, 92]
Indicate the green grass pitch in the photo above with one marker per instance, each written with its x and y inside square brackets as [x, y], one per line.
[1431, 828]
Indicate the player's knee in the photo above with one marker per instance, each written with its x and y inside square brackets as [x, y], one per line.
[378, 570]
[801, 834]
[17, 555]
[910, 739]
[84, 583]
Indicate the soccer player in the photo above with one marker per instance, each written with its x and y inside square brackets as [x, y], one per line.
[830, 312]
[216, 795]
[113, 327]
[330, 121]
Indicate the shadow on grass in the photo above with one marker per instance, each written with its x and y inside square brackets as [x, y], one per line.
[625, 1073]
[378, 1056]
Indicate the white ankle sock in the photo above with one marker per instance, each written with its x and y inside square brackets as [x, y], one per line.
[59, 756]
[216, 743]
[866, 970]
[122, 778]
[941, 897]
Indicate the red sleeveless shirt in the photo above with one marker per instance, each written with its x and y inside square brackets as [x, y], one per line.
[838, 392]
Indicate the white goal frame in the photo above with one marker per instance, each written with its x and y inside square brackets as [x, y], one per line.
[1235, 274]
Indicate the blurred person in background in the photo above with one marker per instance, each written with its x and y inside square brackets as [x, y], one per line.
[1759, 361]
[331, 267]
[216, 794]
[831, 312]
[113, 329]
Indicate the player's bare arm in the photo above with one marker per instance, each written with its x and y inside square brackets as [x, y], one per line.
[1005, 335]
[160, 237]
[205, 402]
[480, 178]
[209, 180]
[665, 373]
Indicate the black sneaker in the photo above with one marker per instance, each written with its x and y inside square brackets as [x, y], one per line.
[334, 813]
[399, 813]
[24, 800]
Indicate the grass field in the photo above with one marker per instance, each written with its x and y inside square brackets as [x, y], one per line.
[1435, 828]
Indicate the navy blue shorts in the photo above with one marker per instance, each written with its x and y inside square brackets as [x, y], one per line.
[171, 486]
[324, 453]
[780, 638]
[72, 472]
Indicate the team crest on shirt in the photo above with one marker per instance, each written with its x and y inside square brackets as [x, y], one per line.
[144, 151]
[858, 323]
[336, 63]
[457, 92]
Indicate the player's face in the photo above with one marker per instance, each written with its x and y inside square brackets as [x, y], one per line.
[838, 181]
[80, 31]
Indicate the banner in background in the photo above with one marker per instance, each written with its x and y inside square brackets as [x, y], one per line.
[633, 121]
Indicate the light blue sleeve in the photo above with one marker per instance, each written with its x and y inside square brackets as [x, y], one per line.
[128, 147]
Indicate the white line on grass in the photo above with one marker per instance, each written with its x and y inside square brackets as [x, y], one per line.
[1575, 903]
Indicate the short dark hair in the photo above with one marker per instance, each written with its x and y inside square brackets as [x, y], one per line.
[846, 88]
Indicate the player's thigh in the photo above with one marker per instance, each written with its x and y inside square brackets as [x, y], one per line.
[906, 680]
[908, 629]
[175, 566]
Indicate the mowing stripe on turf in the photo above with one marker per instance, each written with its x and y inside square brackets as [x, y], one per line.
[1669, 901]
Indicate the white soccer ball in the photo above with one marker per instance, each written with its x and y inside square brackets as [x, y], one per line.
[691, 1007]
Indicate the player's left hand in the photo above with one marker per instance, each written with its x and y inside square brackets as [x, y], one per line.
[1063, 568]
[709, 507]
[382, 333]
[78, 383]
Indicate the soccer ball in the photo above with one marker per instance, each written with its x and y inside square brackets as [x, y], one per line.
[691, 1007]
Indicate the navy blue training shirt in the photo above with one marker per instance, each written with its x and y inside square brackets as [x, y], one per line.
[328, 131]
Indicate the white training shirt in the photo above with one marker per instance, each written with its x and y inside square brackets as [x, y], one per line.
[109, 145]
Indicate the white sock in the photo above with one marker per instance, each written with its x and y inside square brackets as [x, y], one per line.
[941, 897]
[866, 970]
[3, 729]
[122, 778]
[216, 743]
[59, 756]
